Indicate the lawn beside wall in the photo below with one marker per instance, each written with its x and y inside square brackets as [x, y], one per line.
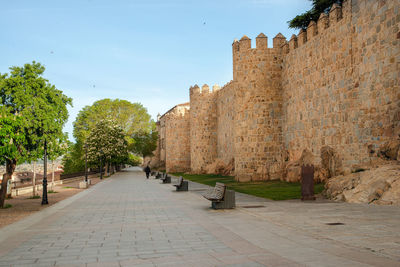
[275, 190]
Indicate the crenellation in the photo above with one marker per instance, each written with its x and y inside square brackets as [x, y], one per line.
[311, 29]
[293, 43]
[216, 88]
[279, 40]
[336, 93]
[322, 23]
[346, 8]
[262, 41]
[205, 89]
[301, 37]
[244, 43]
[335, 14]
[194, 90]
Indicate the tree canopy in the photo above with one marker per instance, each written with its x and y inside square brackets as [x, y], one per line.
[32, 111]
[144, 143]
[318, 6]
[131, 117]
[136, 124]
[12, 139]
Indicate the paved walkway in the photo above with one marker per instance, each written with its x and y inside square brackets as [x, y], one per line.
[130, 221]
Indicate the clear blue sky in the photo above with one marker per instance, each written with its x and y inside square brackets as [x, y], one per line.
[142, 51]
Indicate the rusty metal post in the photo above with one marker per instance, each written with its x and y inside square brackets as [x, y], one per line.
[307, 182]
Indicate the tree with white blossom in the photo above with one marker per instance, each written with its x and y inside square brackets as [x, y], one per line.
[107, 142]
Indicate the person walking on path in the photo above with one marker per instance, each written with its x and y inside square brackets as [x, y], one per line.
[147, 171]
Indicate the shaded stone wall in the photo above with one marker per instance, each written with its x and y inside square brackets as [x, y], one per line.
[341, 82]
[226, 122]
[177, 133]
[203, 127]
[162, 141]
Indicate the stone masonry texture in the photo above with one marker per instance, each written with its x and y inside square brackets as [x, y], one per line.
[173, 128]
[335, 84]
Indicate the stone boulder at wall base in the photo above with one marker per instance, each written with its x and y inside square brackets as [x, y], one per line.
[219, 167]
[331, 162]
[379, 185]
[390, 150]
[293, 168]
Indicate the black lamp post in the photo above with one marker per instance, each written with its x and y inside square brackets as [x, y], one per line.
[101, 164]
[86, 172]
[44, 197]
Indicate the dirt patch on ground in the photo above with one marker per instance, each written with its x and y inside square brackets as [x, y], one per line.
[23, 205]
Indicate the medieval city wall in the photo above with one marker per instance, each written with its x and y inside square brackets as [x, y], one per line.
[203, 127]
[333, 89]
[225, 123]
[177, 126]
[258, 103]
[161, 140]
[341, 82]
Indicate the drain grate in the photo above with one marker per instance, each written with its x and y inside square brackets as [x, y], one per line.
[335, 223]
[253, 206]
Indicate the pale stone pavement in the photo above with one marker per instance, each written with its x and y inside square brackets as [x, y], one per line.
[130, 221]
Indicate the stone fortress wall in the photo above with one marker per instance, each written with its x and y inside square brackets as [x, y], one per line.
[174, 134]
[203, 127]
[332, 90]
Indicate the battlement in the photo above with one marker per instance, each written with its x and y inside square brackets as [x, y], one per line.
[317, 28]
[244, 57]
[244, 44]
[227, 84]
[204, 90]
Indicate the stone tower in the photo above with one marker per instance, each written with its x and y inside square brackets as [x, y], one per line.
[203, 127]
[258, 102]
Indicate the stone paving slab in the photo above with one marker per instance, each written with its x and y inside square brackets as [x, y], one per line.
[130, 221]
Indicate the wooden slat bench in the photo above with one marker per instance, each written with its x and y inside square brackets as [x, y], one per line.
[220, 197]
[181, 185]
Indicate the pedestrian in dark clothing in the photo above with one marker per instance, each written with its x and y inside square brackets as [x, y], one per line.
[147, 171]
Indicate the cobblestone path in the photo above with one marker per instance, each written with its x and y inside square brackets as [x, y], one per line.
[130, 221]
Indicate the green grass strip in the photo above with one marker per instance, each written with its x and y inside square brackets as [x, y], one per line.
[275, 190]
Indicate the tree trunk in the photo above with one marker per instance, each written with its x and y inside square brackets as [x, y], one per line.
[10, 167]
[108, 168]
[34, 179]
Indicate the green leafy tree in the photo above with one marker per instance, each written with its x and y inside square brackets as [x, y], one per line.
[134, 160]
[131, 117]
[107, 142]
[33, 112]
[12, 146]
[144, 143]
[318, 6]
[73, 160]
